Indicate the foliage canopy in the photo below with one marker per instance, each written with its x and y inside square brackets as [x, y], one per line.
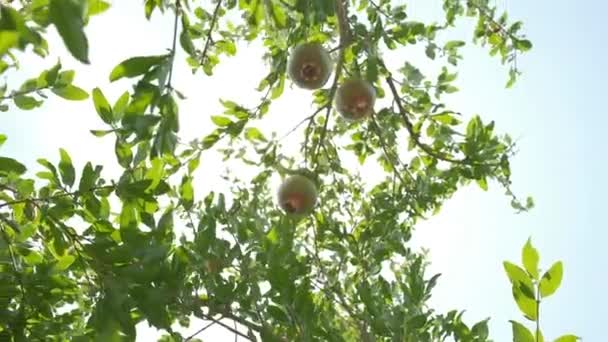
[87, 258]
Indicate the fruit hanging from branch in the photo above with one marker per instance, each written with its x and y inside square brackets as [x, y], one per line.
[297, 195]
[309, 66]
[355, 99]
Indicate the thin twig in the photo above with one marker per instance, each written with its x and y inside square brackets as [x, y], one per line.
[416, 136]
[381, 11]
[393, 159]
[345, 40]
[174, 44]
[225, 326]
[50, 198]
[308, 118]
[199, 331]
[14, 94]
[211, 25]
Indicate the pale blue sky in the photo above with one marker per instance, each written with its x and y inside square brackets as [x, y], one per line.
[556, 111]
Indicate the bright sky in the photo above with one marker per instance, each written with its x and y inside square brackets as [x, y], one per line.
[555, 110]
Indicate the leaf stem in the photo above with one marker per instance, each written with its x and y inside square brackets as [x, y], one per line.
[537, 312]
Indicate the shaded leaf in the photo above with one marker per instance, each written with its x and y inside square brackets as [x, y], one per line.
[10, 165]
[67, 16]
[135, 66]
[66, 169]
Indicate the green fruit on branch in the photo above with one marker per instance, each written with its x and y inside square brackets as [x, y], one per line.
[297, 195]
[309, 66]
[355, 99]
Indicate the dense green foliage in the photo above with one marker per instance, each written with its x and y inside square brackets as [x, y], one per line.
[86, 258]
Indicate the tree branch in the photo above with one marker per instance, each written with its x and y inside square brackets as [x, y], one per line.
[200, 331]
[345, 40]
[50, 198]
[416, 136]
[14, 94]
[174, 43]
[211, 25]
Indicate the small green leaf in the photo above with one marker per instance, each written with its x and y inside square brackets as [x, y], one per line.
[26, 102]
[123, 153]
[71, 92]
[567, 338]
[97, 7]
[253, 134]
[2, 139]
[135, 66]
[530, 259]
[121, 105]
[481, 330]
[522, 45]
[521, 333]
[551, 280]
[66, 169]
[67, 16]
[8, 41]
[526, 304]
[33, 258]
[519, 278]
[9, 165]
[187, 193]
[88, 178]
[221, 121]
[102, 106]
[100, 133]
[63, 263]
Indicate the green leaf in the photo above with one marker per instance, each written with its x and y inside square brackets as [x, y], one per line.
[63, 263]
[88, 178]
[26, 102]
[519, 278]
[551, 280]
[8, 41]
[97, 7]
[121, 105]
[102, 106]
[67, 16]
[66, 169]
[221, 121]
[2, 139]
[10, 165]
[165, 224]
[33, 258]
[128, 216]
[71, 92]
[526, 304]
[253, 134]
[481, 330]
[135, 66]
[123, 153]
[567, 338]
[522, 45]
[187, 193]
[521, 333]
[530, 259]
